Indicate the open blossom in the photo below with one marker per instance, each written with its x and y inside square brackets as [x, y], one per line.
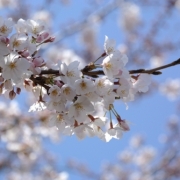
[109, 45]
[71, 72]
[14, 67]
[58, 105]
[142, 83]
[58, 120]
[84, 86]
[80, 109]
[6, 26]
[34, 27]
[103, 85]
[99, 121]
[93, 97]
[18, 42]
[108, 99]
[68, 92]
[111, 65]
[83, 130]
[21, 26]
[123, 88]
[37, 106]
[54, 92]
[115, 132]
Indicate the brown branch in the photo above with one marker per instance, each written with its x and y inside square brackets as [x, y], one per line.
[87, 71]
[49, 71]
[40, 81]
[155, 71]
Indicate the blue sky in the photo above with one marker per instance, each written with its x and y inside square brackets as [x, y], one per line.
[148, 115]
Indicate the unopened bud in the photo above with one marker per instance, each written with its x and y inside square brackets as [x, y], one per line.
[18, 90]
[12, 94]
[25, 53]
[123, 124]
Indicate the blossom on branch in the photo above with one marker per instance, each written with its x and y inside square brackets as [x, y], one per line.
[78, 99]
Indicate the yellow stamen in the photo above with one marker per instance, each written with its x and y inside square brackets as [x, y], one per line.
[3, 29]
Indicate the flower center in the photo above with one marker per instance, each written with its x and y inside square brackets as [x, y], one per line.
[35, 31]
[12, 65]
[60, 117]
[70, 74]
[55, 104]
[66, 91]
[78, 106]
[101, 84]
[110, 50]
[16, 43]
[83, 85]
[3, 29]
[108, 65]
[123, 92]
[54, 92]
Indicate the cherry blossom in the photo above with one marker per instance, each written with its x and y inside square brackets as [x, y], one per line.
[84, 86]
[78, 101]
[68, 92]
[18, 42]
[103, 85]
[34, 27]
[111, 65]
[54, 92]
[109, 45]
[14, 67]
[83, 130]
[70, 72]
[6, 26]
[80, 108]
[58, 120]
[142, 83]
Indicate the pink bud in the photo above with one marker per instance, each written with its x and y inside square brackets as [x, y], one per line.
[42, 37]
[59, 84]
[51, 39]
[12, 94]
[4, 40]
[123, 124]
[25, 53]
[38, 61]
[18, 90]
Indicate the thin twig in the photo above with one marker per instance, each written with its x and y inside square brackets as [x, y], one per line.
[155, 71]
[87, 71]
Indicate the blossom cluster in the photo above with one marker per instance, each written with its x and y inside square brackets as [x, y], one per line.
[78, 99]
[22, 138]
